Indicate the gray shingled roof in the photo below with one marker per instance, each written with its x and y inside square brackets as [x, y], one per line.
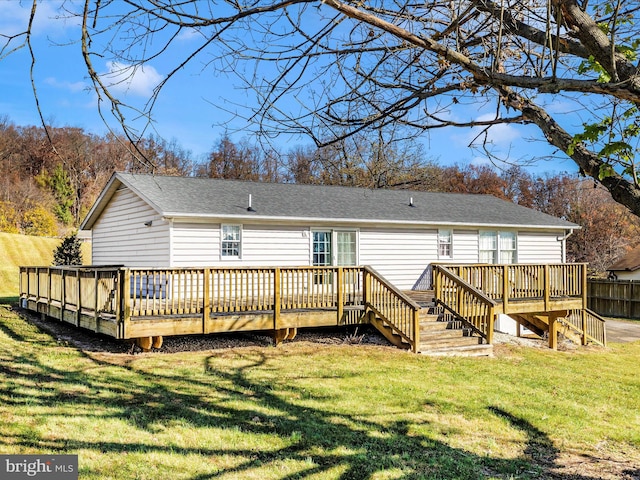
[204, 197]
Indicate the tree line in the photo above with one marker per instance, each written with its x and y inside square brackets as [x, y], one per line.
[48, 182]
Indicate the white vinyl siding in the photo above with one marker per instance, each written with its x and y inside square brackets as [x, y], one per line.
[275, 245]
[120, 236]
[465, 246]
[198, 245]
[539, 247]
[195, 244]
[399, 255]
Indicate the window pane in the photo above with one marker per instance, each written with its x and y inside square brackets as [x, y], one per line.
[321, 248]
[487, 256]
[507, 241]
[346, 248]
[508, 256]
[488, 241]
[488, 247]
[444, 243]
[507, 247]
[231, 240]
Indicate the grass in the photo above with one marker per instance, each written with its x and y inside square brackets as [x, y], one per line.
[313, 411]
[17, 250]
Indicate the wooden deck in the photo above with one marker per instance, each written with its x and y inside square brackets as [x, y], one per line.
[546, 298]
[152, 303]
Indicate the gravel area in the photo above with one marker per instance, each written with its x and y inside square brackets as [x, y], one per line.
[93, 342]
[361, 335]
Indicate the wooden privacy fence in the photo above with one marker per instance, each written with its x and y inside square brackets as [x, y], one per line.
[614, 298]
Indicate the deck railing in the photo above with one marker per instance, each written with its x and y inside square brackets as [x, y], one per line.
[120, 294]
[465, 300]
[228, 290]
[588, 325]
[504, 283]
[77, 288]
[395, 309]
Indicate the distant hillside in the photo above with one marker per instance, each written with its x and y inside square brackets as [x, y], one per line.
[17, 250]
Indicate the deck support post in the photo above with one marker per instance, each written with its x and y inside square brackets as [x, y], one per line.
[435, 281]
[553, 331]
[505, 288]
[79, 293]
[585, 297]
[366, 290]
[490, 327]
[37, 286]
[546, 288]
[48, 290]
[63, 295]
[206, 305]
[95, 301]
[340, 294]
[125, 309]
[277, 301]
[416, 331]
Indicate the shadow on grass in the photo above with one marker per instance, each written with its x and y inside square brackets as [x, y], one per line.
[326, 443]
[10, 301]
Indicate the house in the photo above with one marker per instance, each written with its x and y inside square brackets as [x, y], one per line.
[161, 221]
[183, 256]
[627, 267]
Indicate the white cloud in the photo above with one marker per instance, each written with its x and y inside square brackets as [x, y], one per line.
[188, 34]
[70, 86]
[131, 80]
[500, 135]
[50, 18]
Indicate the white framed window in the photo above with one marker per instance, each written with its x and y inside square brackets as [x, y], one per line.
[334, 247]
[508, 252]
[497, 247]
[445, 244]
[347, 248]
[231, 244]
[322, 251]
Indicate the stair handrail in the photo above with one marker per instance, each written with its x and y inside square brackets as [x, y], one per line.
[589, 325]
[393, 307]
[464, 301]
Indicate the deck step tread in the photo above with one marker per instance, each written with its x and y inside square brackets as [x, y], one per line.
[484, 350]
[451, 341]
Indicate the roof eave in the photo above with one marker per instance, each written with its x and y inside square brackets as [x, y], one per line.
[267, 218]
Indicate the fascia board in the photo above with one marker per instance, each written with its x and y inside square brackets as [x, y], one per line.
[304, 220]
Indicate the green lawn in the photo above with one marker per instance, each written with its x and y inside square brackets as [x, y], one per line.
[17, 250]
[313, 411]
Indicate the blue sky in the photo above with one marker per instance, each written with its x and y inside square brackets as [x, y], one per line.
[196, 106]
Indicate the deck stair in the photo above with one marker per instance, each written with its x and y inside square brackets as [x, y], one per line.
[442, 334]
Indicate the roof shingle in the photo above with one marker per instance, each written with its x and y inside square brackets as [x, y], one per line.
[205, 197]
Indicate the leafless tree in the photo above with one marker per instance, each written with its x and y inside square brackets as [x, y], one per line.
[354, 66]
